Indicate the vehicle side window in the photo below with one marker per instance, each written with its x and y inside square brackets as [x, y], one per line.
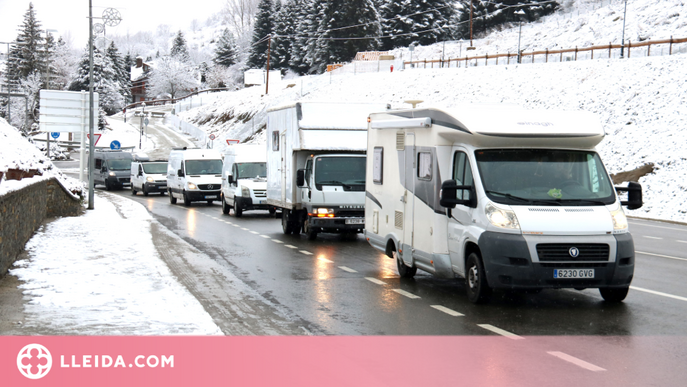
[140, 169]
[378, 165]
[275, 140]
[235, 171]
[98, 163]
[308, 170]
[462, 173]
[424, 166]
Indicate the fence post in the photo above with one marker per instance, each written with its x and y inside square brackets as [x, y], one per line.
[592, 50]
[497, 58]
[609, 50]
[508, 58]
[486, 59]
[575, 53]
[425, 62]
[547, 56]
[533, 56]
[670, 52]
[561, 60]
[648, 50]
[629, 45]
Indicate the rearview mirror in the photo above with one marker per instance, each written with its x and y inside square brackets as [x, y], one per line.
[230, 179]
[448, 196]
[634, 195]
[300, 178]
[180, 173]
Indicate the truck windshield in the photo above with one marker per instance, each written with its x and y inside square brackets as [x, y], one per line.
[251, 170]
[119, 165]
[203, 167]
[544, 177]
[346, 171]
[155, 168]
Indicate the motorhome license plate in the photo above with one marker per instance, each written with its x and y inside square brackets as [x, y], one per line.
[355, 221]
[573, 273]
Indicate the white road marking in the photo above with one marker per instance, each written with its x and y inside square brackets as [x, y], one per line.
[682, 241]
[654, 226]
[265, 236]
[658, 293]
[660, 255]
[277, 241]
[651, 237]
[375, 281]
[348, 269]
[576, 361]
[500, 331]
[254, 232]
[291, 246]
[236, 225]
[447, 310]
[325, 260]
[404, 293]
[304, 252]
[245, 229]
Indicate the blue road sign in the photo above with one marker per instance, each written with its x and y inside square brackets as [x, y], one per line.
[115, 145]
[55, 135]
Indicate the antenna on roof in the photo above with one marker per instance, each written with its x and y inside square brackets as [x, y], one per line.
[414, 102]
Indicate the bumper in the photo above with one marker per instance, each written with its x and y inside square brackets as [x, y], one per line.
[197, 196]
[118, 181]
[508, 265]
[248, 204]
[339, 224]
[156, 187]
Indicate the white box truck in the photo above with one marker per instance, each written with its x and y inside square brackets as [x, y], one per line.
[503, 197]
[316, 165]
[194, 175]
[244, 179]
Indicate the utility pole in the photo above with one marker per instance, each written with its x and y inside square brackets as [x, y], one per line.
[91, 143]
[622, 41]
[269, 45]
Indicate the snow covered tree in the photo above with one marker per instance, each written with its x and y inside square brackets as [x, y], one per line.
[121, 72]
[225, 52]
[63, 65]
[264, 25]
[285, 25]
[303, 46]
[27, 56]
[239, 15]
[171, 77]
[179, 49]
[487, 14]
[346, 27]
[416, 21]
[104, 81]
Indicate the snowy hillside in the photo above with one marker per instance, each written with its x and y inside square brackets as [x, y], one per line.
[641, 100]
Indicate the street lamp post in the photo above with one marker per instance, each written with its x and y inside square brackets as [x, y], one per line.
[622, 41]
[521, 14]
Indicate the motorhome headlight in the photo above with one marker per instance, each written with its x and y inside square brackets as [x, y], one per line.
[245, 192]
[112, 174]
[619, 219]
[192, 186]
[150, 179]
[323, 212]
[501, 218]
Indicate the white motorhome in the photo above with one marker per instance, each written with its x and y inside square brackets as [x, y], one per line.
[194, 175]
[503, 197]
[148, 175]
[316, 165]
[244, 179]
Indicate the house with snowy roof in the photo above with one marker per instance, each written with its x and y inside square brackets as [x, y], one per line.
[139, 79]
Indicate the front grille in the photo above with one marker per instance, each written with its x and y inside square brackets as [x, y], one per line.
[124, 179]
[209, 187]
[569, 265]
[260, 193]
[350, 213]
[553, 252]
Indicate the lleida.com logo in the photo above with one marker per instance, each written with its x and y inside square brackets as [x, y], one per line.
[34, 361]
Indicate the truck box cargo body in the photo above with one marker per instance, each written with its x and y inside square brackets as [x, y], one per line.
[504, 197]
[315, 165]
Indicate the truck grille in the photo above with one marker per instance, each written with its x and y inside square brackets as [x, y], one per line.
[260, 193]
[209, 187]
[555, 252]
[351, 213]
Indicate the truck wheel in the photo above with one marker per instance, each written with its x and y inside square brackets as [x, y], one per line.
[145, 191]
[614, 294]
[285, 224]
[133, 190]
[172, 199]
[273, 211]
[238, 211]
[225, 207]
[476, 281]
[107, 185]
[187, 200]
[403, 270]
[309, 231]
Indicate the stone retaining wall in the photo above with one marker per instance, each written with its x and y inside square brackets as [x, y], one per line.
[24, 210]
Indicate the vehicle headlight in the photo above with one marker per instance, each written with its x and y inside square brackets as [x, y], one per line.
[245, 192]
[501, 218]
[150, 179]
[323, 212]
[619, 219]
[112, 174]
[192, 186]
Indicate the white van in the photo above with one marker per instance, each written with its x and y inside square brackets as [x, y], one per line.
[244, 179]
[503, 197]
[148, 176]
[194, 175]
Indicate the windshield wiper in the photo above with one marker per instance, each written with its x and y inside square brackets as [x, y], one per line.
[509, 196]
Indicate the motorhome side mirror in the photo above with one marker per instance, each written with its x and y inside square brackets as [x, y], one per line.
[300, 177]
[448, 197]
[634, 195]
[180, 173]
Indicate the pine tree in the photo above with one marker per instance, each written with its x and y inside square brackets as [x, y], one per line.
[264, 25]
[179, 49]
[63, 64]
[417, 22]
[225, 53]
[303, 47]
[27, 56]
[347, 27]
[121, 72]
[487, 14]
[104, 81]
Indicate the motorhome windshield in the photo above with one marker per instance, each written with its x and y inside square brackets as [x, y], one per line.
[544, 177]
[251, 170]
[346, 171]
[155, 168]
[119, 165]
[203, 167]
